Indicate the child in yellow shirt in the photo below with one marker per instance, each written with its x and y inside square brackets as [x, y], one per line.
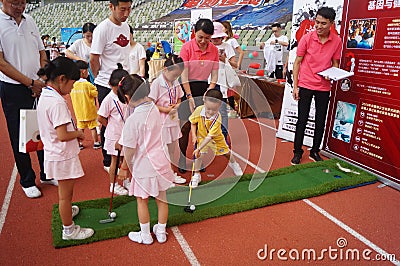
[83, 97]
[207, 133]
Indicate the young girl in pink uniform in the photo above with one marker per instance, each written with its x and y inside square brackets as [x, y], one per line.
[166, 92]
[60, 139]
[112, 114]
[145, 158]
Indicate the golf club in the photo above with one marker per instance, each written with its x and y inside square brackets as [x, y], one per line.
[111, 214]
[190, 208]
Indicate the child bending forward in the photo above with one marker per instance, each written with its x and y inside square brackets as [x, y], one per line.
[207, 133]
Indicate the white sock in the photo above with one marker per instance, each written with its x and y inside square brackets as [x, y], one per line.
[69, 229]
[145, 228]
[161, 227]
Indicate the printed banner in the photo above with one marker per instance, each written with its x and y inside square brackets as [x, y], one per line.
[70, 35]
[363, 124]
[304, 13]
[181, 34]
[241, 13]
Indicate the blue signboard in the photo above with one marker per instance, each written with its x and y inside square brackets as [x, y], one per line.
[66, 34]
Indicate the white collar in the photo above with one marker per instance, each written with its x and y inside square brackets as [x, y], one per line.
[203, 114]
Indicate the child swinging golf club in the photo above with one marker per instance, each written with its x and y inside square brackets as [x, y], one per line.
[207, 133]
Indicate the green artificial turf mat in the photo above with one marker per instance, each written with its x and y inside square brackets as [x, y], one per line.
[282, 185]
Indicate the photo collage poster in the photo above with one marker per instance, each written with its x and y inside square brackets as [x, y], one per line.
[369, 136]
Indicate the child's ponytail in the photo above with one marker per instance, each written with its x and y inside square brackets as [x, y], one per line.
[60, 66]
[173, 61]
[133, 86]
[117, 75]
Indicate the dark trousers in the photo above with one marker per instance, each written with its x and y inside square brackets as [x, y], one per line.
[278, 73]
[321, 107]
[198, 88]
[224, 115]
[13, 99]
[103, 92]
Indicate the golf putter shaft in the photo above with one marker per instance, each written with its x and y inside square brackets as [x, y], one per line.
[190, 183]
[115, 177]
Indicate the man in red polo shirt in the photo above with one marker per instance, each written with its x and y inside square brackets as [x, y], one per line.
[317, 51]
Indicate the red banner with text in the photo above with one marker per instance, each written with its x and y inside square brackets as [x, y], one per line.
[363, 124]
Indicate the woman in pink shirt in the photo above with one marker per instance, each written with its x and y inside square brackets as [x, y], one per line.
[145, 158]
[60, 139]
[201, 60]
[166, 92]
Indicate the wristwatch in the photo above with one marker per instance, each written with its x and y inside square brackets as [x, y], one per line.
[32, 83]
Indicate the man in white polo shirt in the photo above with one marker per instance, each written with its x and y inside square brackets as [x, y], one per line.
[21, 55]
[110, 45]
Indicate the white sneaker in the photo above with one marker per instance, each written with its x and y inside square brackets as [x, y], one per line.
[179, 180]
[49, 182]
[236, 168]
[126, 184]
[75, 211]
[107, 169]
[32, 192]
[119, 190]
[160, 235]
[196, 179]
[140, 238]
[78, 233]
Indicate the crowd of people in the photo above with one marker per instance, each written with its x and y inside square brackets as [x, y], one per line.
[140, 122]
[104, 74]
[361, 33]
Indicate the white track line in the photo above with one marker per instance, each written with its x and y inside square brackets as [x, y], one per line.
[248, 162]
[330, 217]
[185, 246]
[350, 230]
[262, 124]
[7, 197]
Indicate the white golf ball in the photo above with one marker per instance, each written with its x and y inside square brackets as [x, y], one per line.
[192, 207]
[113, 214]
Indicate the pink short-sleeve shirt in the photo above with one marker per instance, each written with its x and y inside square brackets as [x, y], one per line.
[163, 95]
[316, 58]
[199, 63]
[112, 109]
[52, 112]
[142, 131]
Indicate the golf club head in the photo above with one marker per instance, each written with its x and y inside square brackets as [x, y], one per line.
[187, 209]
[106, 221]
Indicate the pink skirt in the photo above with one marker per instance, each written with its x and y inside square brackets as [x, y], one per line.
[109, 146]
[151, 186]
[61, 170]
[170, 134]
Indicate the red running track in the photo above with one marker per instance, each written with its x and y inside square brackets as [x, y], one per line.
[365, 218]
